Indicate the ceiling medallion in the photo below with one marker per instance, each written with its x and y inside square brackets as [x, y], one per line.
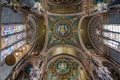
[62, 67]
[62, 29]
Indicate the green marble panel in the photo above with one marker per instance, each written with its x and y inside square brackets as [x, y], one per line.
[76, 22]
[76, 36]
[69, 17]
[57, 42]
[68, 42]
[66, 17]
[49, 36]
[57, 17]
[50, 24]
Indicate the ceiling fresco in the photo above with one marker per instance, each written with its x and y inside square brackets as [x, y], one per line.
[64, 6]
[63, 69]
[67, 39]
[64, 2]
[63, 31]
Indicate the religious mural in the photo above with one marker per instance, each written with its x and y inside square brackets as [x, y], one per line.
[63, 30]
[63, 69]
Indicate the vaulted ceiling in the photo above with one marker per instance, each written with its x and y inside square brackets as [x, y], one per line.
[64, 6]
[64, 33]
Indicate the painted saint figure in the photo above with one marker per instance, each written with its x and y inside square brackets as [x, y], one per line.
[62, 29]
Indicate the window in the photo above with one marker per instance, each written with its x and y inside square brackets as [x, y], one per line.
[111, 35]
[11, 49]
[12, 32]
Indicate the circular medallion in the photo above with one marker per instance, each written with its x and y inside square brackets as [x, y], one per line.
[10, 60]
[62, 67]
[62, 29]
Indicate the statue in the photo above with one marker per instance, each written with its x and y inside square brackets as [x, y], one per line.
[35, 74]
[103, 73]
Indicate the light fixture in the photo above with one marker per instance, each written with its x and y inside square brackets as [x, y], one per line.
[17, 54]
[23, 48]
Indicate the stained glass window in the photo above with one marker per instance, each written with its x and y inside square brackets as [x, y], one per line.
[111, 34]
[11, 49]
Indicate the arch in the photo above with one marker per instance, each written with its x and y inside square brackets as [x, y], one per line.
[80, 36]
[72, 59]
[66, 49]
[94, 18]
